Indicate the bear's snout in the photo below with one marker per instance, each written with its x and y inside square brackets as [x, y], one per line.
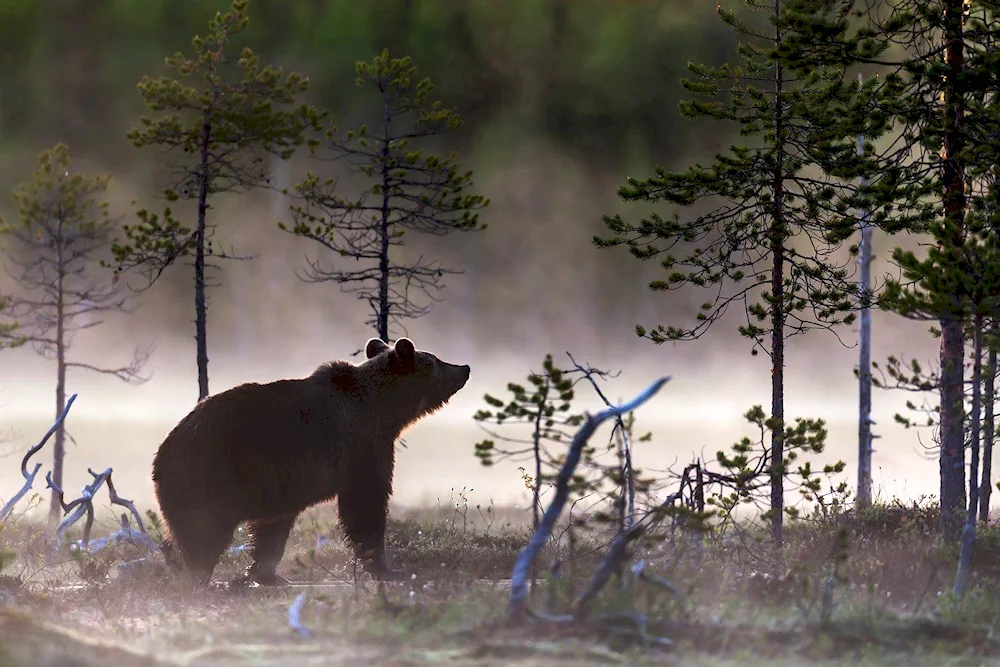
[454, 376]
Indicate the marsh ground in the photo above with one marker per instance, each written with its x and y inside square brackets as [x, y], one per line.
[738, 603]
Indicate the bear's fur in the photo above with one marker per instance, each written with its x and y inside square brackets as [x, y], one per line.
[262, 453]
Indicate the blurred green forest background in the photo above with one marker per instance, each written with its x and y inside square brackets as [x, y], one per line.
[560, 98]
[598, 77]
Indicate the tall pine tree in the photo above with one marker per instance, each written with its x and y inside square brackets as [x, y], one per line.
[939, 95]
[53, 250]
[411, 191]
[774, 213]
[224, 115]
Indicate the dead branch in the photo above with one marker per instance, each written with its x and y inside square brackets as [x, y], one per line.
[132, 373]
[517, 605]
[641, 572]
[616, 553]
[609, 564]
[624, 446]
[126, 535]
[29, 478]
[84, 505]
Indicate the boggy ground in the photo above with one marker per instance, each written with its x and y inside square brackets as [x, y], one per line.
[737, 602]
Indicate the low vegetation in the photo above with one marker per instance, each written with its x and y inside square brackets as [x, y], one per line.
[736, 601]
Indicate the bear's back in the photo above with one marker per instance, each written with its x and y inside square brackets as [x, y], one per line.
[255, 424]
[259, 445]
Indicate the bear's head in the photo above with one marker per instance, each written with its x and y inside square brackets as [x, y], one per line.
[417, 379]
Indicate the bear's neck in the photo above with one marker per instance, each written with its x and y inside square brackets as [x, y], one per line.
[393, 412]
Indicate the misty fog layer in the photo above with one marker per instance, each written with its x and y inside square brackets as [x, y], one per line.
[265, 324]
[533, 282]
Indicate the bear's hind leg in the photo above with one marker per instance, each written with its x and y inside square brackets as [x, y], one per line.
[267, 546]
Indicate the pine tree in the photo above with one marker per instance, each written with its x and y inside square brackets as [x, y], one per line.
[224, 115]
[56, 245]
[780, 207]
[940, 93]
[412, 191]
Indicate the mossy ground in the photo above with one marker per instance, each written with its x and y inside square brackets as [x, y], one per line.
[738, 602]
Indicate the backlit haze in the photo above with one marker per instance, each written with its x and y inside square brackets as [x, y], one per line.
[549, 145]
[542, 290]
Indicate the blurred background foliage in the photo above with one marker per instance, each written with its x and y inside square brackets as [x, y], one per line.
[596, 77]
[561, 99]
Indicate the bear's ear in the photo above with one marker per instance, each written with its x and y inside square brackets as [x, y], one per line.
[374, 346]
[406, 353]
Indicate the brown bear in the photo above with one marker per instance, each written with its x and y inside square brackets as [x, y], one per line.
[262, 453]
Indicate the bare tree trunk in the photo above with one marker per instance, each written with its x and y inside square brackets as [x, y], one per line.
[952, 458]
[59, 448]
[536, 492]
[200, 303]
[969, 532]
[988, 423]
[778, 313]
[383, 259]
[977, 406]
[622, 502]
[864, 490]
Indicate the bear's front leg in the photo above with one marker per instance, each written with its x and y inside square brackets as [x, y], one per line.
[364, 510]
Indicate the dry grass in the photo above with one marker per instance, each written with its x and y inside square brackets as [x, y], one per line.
[740, 603]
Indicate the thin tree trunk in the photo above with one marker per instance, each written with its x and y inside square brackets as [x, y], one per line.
[988, 423]
[537, 444]
[628, 473]
[864, 491]
[952, 458]
[977, 405]
[200, 303]
[536, 491]
[59, 447]
[969, 532]
[383, 259]
[778, 313]
[622, 502]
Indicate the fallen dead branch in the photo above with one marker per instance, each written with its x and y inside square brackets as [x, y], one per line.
[125, 535]
[517, 606]
[84, 505]
[29, 477]
[609, 564]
